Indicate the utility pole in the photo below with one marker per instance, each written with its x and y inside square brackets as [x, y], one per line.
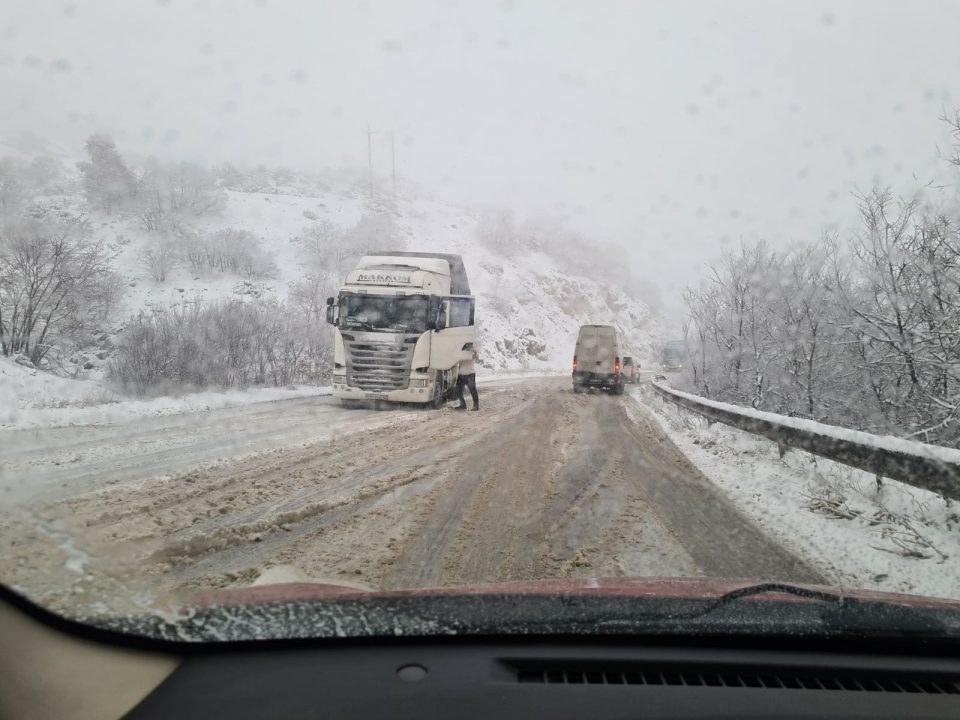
[393, 165]
[370, 160]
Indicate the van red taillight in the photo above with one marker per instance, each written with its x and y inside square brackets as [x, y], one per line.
[574, 362]
[616, 365]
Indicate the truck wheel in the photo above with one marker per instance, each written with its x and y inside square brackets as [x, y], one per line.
[439, 391]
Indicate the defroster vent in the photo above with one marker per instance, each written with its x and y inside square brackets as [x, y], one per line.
[780, 679]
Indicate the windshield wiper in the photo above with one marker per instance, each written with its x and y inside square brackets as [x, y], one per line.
[764, 588]
[831, 612]
[363, 325]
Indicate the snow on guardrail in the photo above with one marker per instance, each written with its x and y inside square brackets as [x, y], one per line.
[929, 467]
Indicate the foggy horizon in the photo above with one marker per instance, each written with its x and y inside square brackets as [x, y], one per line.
[674, 130]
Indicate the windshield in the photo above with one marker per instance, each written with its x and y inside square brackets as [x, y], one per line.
[686, 312]
[384, 314]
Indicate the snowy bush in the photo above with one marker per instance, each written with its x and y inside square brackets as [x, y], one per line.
[334, 250]
[497, 230]
[259, 179]
[43, 174]
[22, 181]
[170, 194]
[228, 250]
[12, 191]
[324, 242]
[372, 233]
[223, 344]
[159, 259]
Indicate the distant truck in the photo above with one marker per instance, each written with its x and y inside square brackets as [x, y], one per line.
[404, 322]
[596, 360]
[672, 356]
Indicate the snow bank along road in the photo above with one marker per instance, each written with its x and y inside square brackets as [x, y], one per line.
[540, 483]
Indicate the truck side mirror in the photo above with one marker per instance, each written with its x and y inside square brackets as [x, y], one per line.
[329, 301]
[331, 318]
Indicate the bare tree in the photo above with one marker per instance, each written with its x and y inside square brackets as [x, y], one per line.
[953, 122]
[799, 329]
[324, 241]
[309, 294]
[50, 278]
[703, 308]
[867, 339]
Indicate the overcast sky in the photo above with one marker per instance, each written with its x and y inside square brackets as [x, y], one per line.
[670, 127]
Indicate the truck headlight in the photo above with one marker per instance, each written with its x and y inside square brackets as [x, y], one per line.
[419, 382]
[339, 379]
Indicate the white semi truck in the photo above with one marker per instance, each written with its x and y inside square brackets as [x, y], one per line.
[404, 322]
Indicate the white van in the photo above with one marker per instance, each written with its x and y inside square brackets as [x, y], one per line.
[596, 360]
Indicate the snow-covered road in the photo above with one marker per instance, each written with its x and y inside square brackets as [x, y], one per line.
[59, 462]
[62, 462]
[541, 483]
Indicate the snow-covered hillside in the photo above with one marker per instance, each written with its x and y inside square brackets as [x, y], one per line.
[530, 303]
[528, 308]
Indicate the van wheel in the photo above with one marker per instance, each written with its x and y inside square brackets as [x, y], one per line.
[618, 390]
[578, 389]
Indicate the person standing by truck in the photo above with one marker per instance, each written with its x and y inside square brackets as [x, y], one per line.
[468, 378]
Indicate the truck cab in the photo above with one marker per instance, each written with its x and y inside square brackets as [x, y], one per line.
[672, 355]
[404, 322]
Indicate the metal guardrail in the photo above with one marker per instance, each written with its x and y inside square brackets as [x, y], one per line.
[929, 467]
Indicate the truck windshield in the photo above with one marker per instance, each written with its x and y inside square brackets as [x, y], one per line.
[383, 313]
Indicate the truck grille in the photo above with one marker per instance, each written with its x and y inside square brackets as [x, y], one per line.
[378, 366]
